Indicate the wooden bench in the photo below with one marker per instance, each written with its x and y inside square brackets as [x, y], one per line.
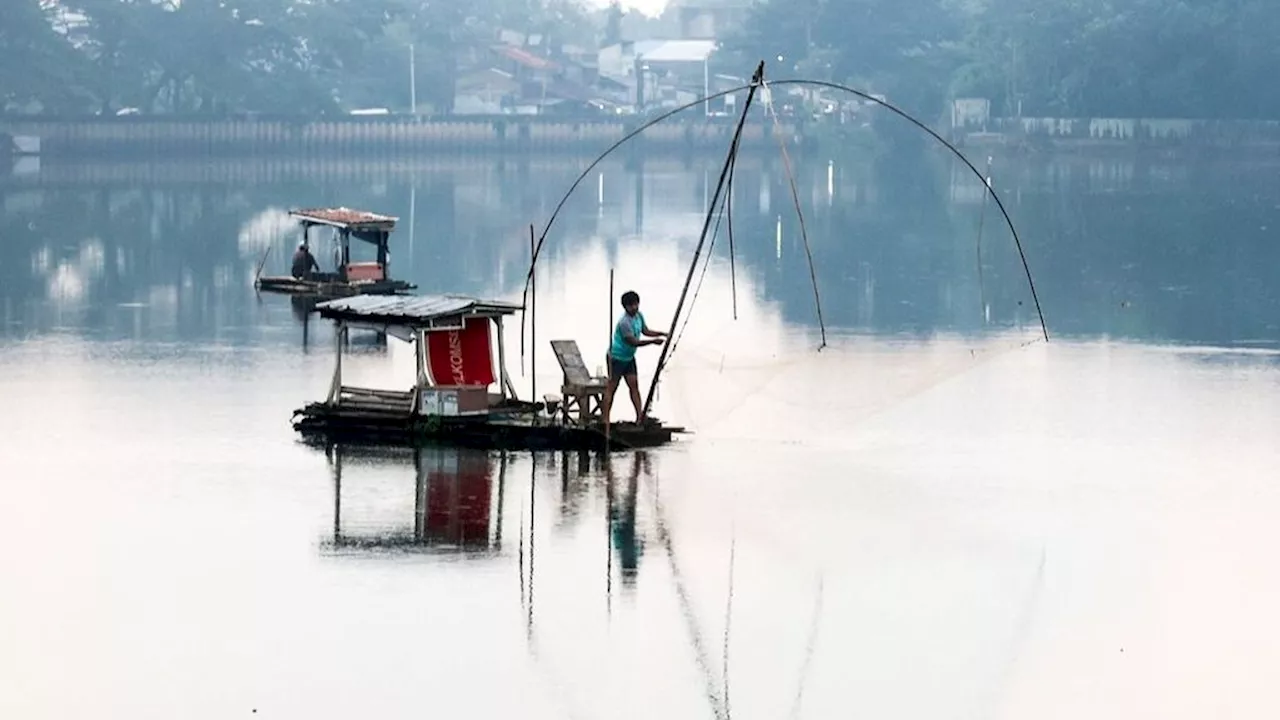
[582, 393]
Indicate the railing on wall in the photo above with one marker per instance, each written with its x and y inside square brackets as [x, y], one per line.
[161, 134]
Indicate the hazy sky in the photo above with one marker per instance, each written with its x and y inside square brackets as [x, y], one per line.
[648, 7]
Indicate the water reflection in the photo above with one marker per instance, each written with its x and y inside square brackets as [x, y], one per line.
[627, 543]
[456, 501]
[446, 500]
[1120, 248]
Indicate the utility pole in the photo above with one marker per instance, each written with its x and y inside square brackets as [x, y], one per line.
[706, 86]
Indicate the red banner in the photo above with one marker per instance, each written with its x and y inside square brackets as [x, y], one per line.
[461, 357]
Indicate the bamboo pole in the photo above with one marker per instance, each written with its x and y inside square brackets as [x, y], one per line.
[756, 81]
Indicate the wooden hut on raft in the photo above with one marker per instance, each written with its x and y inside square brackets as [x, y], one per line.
[459, 397]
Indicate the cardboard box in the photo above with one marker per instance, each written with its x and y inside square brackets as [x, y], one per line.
[454, 400]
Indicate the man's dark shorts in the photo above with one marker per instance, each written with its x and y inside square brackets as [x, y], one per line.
[621, 368]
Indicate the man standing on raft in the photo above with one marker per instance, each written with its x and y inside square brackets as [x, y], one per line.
[622, 353]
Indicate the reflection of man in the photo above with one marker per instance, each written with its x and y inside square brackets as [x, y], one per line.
[622, 353]
[622, 520]
[304, 263]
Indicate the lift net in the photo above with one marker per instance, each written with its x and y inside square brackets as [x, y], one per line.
[904, 273]
[906, 315]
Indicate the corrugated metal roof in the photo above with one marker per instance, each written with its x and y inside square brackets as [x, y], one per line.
[412, 310]
[344, 217]
[679, 51]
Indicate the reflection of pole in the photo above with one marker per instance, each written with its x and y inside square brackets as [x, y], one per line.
[502, 484]
[419, 498]
[608, 534]
[639, 71]
[413, 81]
[337, 494]
[706, 87]
[533, 486]
[982, 213]
[686, 605]
[413, 212]
[639, 196]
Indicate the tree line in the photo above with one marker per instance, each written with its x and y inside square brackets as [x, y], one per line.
[1081, 58]
[269, 56]
[1058, 58]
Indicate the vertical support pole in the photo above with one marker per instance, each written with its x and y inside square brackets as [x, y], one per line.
[335, 388]
[384, 259]
[346, 253]
[503, 380]
[533, 319]
[420, 356]
[606, 408]
[608, 311]
[420, 368]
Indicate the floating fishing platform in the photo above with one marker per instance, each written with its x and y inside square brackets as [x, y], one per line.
[450, 403]
[348, 278]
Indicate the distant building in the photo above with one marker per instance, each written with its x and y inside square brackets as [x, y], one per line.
[663, 66]
[526, 79]
[970, 113]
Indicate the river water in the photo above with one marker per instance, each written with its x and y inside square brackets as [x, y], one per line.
[937, 515]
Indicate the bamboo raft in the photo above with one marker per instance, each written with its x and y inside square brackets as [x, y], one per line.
[331, 286]
[349, 278]
[450, 403]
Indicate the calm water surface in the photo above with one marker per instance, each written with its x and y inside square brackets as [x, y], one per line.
[938, 516]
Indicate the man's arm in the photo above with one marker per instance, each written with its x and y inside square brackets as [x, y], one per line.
[630, 338]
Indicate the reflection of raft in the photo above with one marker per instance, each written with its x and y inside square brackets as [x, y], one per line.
[331, 286]
[350, 278]
[450, 403]
[454, 503]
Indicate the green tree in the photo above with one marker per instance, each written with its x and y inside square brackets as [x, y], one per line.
[613, 24]
[37, 63]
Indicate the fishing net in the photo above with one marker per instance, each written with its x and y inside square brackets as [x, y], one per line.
[812, 342]
[755, 377]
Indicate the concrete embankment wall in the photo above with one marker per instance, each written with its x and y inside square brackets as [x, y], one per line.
[101, 136]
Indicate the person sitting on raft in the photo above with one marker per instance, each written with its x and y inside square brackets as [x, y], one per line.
[304, 263]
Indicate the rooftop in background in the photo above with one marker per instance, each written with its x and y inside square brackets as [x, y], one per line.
[345, 218]
[524, 57]
[676, 50]
[413, 311]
